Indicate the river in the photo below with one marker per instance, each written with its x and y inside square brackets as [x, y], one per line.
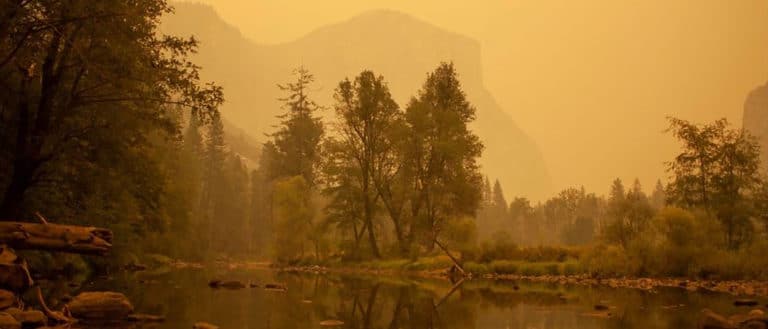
[391, 302]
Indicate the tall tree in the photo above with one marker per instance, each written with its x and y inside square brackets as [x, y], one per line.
[366, 114]
[499, 202]
[659, 196]
[297, 141]
[717, 170]
[443, 152]
[694, 167]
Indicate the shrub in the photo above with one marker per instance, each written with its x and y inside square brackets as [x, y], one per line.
[476, 268]
[504, 267]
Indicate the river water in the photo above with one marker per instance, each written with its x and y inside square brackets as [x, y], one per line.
[368, 301]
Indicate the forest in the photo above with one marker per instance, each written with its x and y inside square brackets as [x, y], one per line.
[106, 122]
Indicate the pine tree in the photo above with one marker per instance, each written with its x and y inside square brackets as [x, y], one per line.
[214, 184]
[499, 202]
[297, 141]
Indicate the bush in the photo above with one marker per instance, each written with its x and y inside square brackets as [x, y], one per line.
[608, 261]
[572, 268]
[504, 267]
[476, 268]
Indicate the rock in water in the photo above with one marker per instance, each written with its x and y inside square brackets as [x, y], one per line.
[32, 319]
[100, 305]
[712, 320]
[138, 317]
[745, 302]
[275, 287]
[601, 307]
[8, 322]
[204, 325]
[230, 284]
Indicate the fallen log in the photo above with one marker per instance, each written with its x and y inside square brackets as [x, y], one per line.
[56, 237]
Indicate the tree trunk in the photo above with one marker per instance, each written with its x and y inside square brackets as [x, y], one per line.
[55, 237]
[369, 222]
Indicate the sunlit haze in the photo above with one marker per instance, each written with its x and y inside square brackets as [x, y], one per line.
[590, 81]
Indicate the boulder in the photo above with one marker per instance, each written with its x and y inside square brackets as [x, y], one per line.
[31, 318]
[601, 307]
[8, 322]
[230, 284]
[275, 286]
[745, 302]
[7, 299]
[100, 305]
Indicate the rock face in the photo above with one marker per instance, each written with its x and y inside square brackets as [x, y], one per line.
[401, 48]
[756, 119]
[100, 306]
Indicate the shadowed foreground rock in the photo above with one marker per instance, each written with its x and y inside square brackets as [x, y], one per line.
[28, 319]
[100, 306]
[14, 274]
[8, 322]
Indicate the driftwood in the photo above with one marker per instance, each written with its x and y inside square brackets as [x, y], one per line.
[455, 261]
[56, 237]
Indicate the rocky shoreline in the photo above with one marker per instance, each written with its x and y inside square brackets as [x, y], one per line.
[746, 288]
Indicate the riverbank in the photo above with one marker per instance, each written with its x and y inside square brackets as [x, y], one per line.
[563, 273]
[568, 272]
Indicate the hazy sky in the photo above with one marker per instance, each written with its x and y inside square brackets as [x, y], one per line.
[590, 81]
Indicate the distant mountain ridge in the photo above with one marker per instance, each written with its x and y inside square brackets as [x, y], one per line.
[399, 47]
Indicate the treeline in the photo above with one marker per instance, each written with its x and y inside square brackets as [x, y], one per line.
[379, 180]
[573, 217]
[104, 121]
[709, 221]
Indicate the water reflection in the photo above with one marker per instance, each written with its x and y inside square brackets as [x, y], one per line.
[366, 302]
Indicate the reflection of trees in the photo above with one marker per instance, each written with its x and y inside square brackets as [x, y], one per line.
[391, 303]
[396, 306]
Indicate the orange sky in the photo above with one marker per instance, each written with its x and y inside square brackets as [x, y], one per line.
[591, 81]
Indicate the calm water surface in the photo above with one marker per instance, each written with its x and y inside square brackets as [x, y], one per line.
[399, 302]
